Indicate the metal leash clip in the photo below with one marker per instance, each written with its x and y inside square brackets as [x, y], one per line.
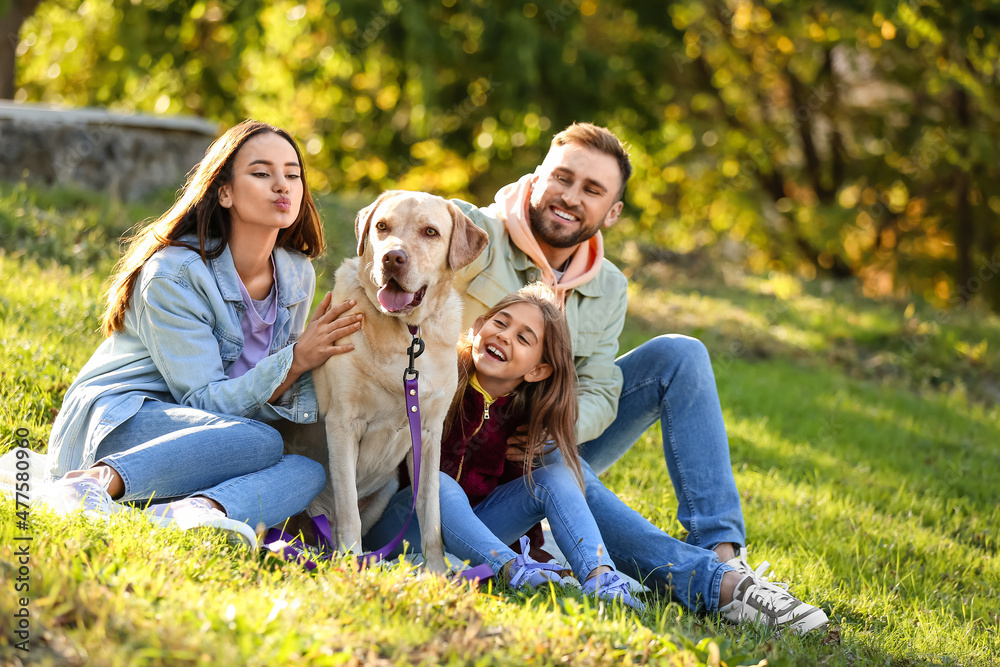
[415, 349]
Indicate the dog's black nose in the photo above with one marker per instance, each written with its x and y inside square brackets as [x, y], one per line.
[394, 257]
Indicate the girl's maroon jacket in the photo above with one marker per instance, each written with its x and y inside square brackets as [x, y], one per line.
[474, 451]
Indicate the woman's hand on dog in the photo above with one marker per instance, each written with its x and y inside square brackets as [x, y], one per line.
[319, 340]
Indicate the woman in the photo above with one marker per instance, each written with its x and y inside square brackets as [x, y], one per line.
[207, 339]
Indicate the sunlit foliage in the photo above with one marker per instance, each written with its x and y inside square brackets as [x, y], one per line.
[817, 138]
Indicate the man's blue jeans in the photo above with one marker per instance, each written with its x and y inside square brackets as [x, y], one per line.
[670, 379]
[165, 452]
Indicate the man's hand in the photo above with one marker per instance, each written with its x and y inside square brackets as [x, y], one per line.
[517, 444]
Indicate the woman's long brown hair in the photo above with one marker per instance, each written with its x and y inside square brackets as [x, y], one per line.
[197, 210]
[551, 403]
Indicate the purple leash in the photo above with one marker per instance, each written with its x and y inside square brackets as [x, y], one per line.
[410, 390]
[292, 548]
[410, 376]
[322, 525]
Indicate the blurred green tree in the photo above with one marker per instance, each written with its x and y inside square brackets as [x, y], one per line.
[835, 137]
[13, 13]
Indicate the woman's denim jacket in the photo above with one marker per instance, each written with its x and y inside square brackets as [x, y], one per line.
[181, 336]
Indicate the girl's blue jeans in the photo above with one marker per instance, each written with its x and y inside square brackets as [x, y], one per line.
[670, 379]
[481, 534]
[691, 574]
[165, 452]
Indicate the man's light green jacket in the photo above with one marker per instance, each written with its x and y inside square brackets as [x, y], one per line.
[595, 312]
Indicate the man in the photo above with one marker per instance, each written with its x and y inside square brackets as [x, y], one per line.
[547, 227]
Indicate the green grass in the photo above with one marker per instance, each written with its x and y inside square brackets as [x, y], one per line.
[864, 439]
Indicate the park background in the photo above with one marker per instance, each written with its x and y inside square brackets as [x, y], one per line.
[814, 197]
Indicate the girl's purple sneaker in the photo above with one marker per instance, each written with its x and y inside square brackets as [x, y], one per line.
[611, 587]
[526, 572]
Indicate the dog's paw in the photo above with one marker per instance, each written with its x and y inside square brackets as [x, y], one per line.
[435, 563]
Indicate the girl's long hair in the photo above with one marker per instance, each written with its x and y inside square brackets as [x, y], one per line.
[197, 210]
[551, 403]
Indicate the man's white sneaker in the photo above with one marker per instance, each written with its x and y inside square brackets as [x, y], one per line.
[742, 566]
[198, 513]
[757, 600]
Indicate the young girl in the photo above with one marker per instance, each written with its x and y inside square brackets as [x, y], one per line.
[207, 339]
[515, 368]
[518, 369]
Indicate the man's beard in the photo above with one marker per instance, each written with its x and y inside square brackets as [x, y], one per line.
[549, 233]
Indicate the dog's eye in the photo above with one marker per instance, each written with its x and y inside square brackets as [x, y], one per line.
[431, 231]
[381, 226]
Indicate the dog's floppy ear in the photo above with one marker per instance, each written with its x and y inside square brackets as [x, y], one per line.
[363, 222]
[467, 240]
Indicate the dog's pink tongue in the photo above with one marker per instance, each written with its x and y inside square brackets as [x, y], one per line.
[392, 298]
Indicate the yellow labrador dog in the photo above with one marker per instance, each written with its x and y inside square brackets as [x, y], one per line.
[409, 245]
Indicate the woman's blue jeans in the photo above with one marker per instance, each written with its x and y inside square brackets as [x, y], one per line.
[670, 379]
[165, 452]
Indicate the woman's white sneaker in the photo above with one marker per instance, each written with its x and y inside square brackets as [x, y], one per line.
[198, 513]
[74, 492]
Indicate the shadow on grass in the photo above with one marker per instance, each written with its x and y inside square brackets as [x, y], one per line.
[849, 431]
[906, 342]
[883, 503]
